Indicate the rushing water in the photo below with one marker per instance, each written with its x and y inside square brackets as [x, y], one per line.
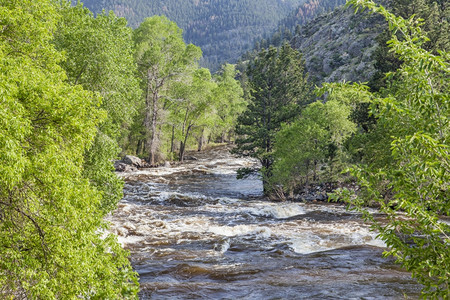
[195, 232]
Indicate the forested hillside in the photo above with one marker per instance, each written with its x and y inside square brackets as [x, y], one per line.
[222, 29]
[336, 44]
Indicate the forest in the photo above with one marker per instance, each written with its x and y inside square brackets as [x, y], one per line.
[222, 29]
[78, 91]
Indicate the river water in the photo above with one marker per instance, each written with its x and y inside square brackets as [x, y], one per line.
[196, 232]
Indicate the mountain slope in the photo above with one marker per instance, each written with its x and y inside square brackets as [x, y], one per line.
[339, 45]
[224, 29]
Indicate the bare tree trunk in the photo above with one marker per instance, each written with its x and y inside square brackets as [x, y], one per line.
[151, 116]
[315, 171]
[138, 147]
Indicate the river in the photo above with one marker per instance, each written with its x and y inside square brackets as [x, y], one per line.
[196, 232]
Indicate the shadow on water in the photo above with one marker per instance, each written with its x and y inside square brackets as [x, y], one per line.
[196, 232]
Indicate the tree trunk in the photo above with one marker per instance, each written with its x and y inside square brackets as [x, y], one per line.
[183, 143]
[151, 118]
[315, 171]
[201, 140]
[154, 135]
[138, 147]
[172, 139]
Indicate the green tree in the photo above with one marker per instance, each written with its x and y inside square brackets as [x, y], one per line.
[436, 18]
[277, 89]
[52, 240]
[193, 111]
[411, 187]
[230, 102]
[314, 141]
[163, 58]
[99, 56]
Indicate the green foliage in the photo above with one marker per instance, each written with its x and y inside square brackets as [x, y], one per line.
[51, 240]
[277, 89]
[163, 59]
[411, 186]
[435, 18]
[99, 56]
[229, 101]
[315, 140]
[224, 29]
[194, 109]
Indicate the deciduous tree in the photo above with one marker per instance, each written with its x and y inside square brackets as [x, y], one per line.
[52, 240]
[99, 56]
[411, 187]
[163, 58]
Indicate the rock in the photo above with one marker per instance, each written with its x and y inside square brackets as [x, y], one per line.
[322, 197]
[356, 48]
[133, 160]
[167, 164]
[120, 166]
[190, 158]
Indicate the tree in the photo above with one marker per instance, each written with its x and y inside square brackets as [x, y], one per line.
[411, 187]
[163, 58]
[193, 111]
[315, 139]
[99, 56]
[229, 98]
[435, 15]
[278, 88]
[52, 240]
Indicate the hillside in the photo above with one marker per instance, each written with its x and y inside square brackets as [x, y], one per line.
[339, 45]
[224, 29]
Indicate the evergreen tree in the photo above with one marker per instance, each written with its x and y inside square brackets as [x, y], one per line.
[277, 90]
[436, 18]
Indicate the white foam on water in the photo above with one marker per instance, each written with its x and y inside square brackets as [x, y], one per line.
[322, 237]
[131, 239]
[277, 211]
[240, 230]
[223, 246]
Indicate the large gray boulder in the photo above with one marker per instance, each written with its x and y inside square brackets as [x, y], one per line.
[133, 160]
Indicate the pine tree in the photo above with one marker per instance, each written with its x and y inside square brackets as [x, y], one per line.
[278, 89]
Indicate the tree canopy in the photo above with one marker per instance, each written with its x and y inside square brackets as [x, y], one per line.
[50, 222]
[411, 184]
[277, 90]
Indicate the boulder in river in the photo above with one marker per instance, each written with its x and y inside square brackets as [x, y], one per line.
[133, 160]
[120, 166]
[190, 158]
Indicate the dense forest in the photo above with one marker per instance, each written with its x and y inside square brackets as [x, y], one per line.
[79, 90]
[222, 29]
